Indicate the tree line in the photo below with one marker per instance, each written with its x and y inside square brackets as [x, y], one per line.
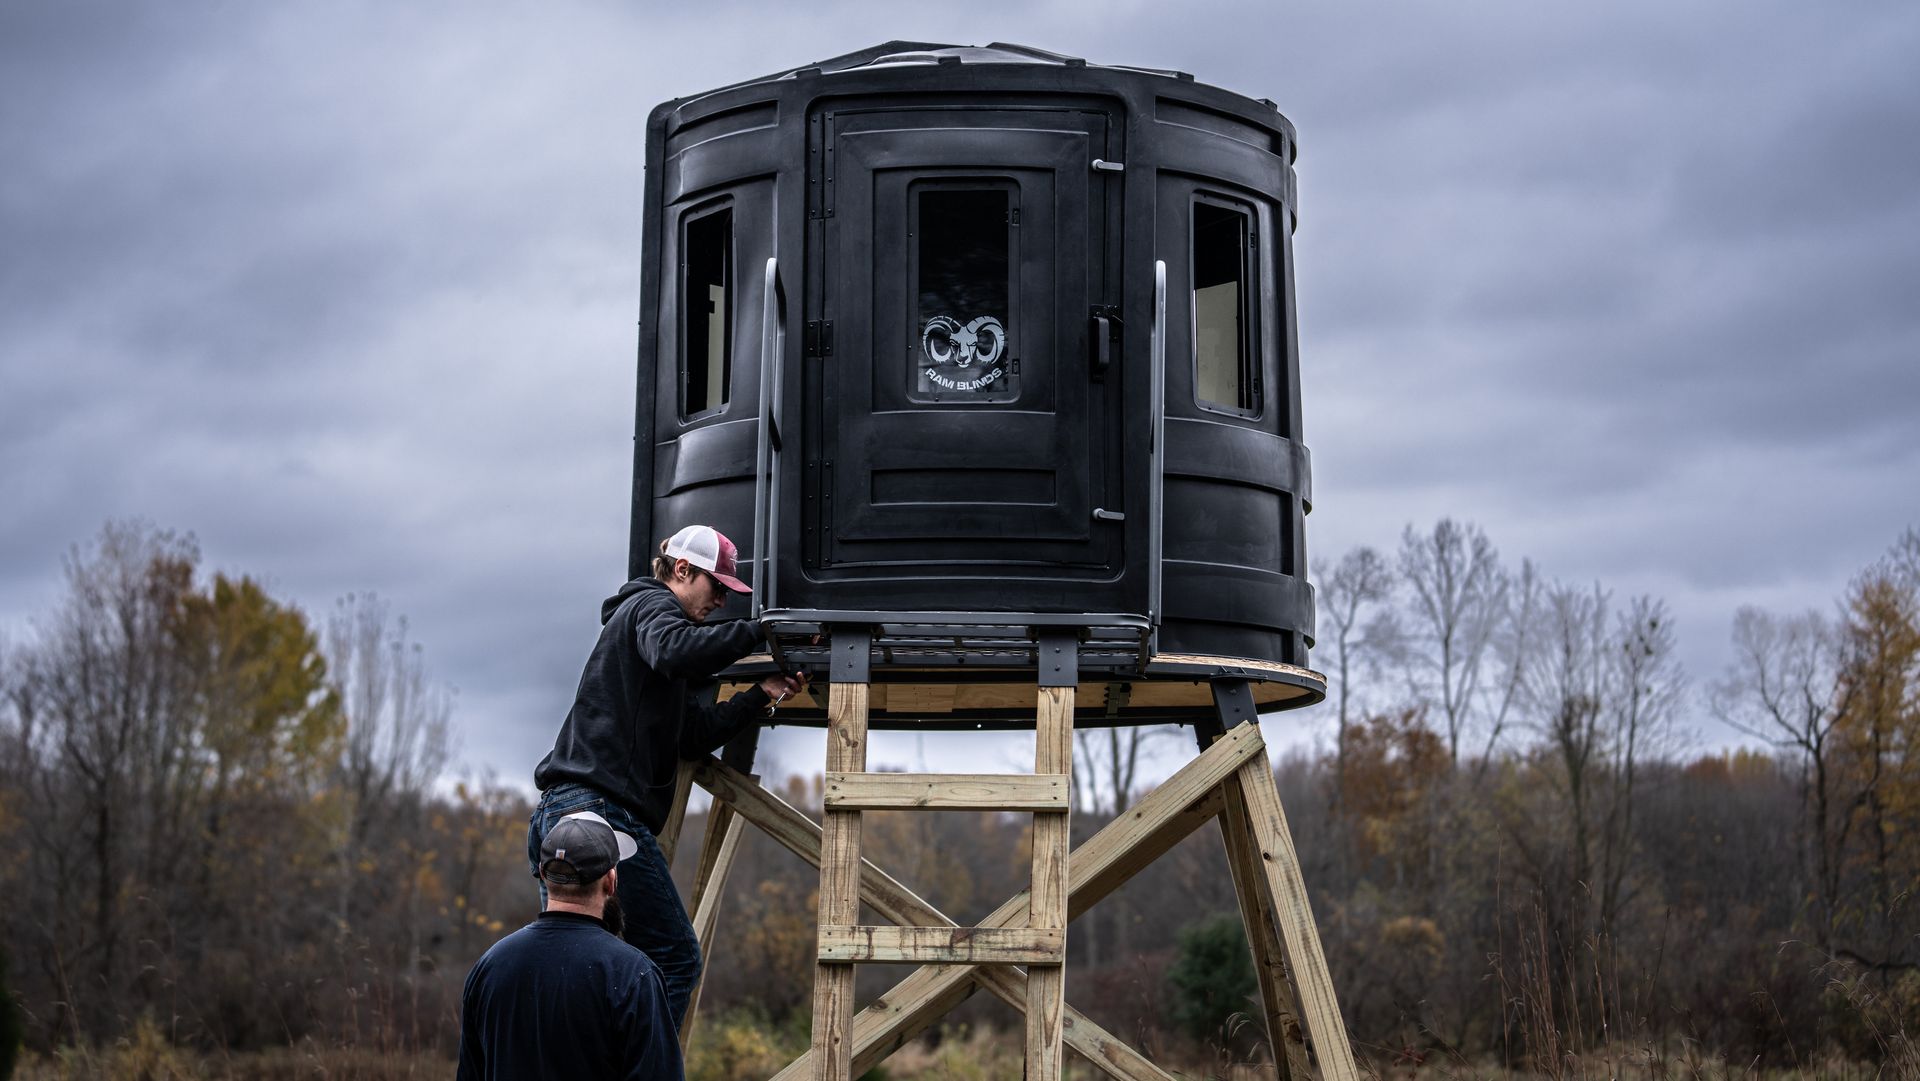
[233, 821]
[223, 817]
[1515, 804]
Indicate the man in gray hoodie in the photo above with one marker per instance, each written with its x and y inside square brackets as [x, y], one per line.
[638, 711]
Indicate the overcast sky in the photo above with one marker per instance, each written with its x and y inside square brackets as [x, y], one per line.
[348, 290]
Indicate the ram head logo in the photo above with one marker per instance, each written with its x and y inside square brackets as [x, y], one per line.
[949, 344]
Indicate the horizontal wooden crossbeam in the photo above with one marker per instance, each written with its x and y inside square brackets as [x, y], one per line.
[945, 945]
[946, 791]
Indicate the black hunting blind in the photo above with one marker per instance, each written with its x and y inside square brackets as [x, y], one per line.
[987, 356]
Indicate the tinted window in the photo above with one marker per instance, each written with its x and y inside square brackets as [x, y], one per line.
[962, 273]
[706, 311]
[1224, 371]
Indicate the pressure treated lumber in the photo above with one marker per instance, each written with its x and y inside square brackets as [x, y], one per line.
[946, 791]
[791, 829]
[669, 837]
[944, 945]
[1263, 939]
[839, 886]
[916, 1002]
[1141, 835]
[1281, 867]
[717, 852]
[1047, 906]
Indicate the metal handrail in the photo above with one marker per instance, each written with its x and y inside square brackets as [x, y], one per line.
[766, 487]
[1157, 459]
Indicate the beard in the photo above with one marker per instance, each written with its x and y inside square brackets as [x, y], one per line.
[612, 917]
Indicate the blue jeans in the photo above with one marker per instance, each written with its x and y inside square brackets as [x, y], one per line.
[657, 922]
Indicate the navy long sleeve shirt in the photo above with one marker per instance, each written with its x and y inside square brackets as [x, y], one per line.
[562, 998]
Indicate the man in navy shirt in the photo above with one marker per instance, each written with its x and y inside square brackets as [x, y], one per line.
[565, 997]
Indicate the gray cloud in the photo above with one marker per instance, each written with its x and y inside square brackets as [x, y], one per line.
[349, 289]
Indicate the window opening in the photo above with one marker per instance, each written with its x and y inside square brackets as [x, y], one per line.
[963, 268]
[1224, 372]
[706, 312]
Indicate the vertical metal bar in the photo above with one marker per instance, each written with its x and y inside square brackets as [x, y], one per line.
[1233, 704]
[769, 596]
[1057, 653]
[1157, 464]
[763, 453]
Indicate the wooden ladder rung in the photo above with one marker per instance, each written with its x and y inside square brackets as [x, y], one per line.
[1038, 792]
[944, 945]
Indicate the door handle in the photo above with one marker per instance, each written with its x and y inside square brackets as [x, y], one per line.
[1105, 334]
[1105, 515]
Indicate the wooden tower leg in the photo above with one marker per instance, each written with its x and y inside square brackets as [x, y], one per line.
[1281, 867]
[840, 857]
[1053, 754]
[1278, 869]
[1281, 1015]
[724, 830]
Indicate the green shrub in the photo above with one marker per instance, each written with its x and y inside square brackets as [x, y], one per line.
[1212, 976]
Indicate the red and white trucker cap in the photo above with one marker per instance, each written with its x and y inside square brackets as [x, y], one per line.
[709, 549]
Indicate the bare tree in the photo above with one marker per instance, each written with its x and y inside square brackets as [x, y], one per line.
[97, 707]
[1107, 766]
[1516, 633]
[1106, 777]
[1459, 593]
[1565, 693]
[1644, 688]
[398, 724]
[1903, 560]
[1350, 604]
[1784, 688]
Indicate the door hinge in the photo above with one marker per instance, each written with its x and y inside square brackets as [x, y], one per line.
[819, 338]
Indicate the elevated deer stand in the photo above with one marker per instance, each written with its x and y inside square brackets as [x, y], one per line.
[1018, 952]
[990, 353]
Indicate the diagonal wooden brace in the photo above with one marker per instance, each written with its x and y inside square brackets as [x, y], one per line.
[669, 837]
[1280, 866]
[724, 830]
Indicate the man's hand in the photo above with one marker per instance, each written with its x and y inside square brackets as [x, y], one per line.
[780, 686]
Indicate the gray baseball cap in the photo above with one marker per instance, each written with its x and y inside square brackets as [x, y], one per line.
[580, 848]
